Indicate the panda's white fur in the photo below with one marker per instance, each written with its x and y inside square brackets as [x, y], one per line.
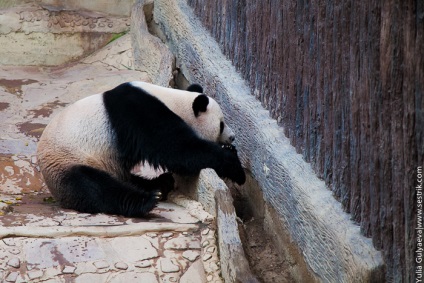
[87, 151]
[77, 135]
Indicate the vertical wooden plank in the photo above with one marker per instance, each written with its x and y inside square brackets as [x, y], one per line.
[241, 42]
[364, 96]
[386, 211]
[259, 56]
[285, 58]
[298, 139]
[397, 169]
[209, 20]
[409, 120]
[355, 117]
[232, 31]
[223, 30]
[345, 171]
[304, 40]
[311, 63]
[375, 120]
[413, 125]
[329, 93]
[251, 43]
[277, 69]
[265, 55]
[290, 69]
[337, 100]
[272, 60]
[319, 69]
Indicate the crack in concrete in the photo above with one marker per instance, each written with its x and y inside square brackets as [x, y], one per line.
[93, 231]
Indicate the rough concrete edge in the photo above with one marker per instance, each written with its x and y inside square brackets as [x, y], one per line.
[92, 230]
[216, 199]
[121, 8]
[332, 245]
[209, 251]
[149, 52]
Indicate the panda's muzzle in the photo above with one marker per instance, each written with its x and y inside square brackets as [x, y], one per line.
[227, 136]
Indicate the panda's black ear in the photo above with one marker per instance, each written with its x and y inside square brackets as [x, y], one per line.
[195, 88]
[200, 104]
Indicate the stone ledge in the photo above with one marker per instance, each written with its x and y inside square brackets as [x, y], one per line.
[331, 245]
[31, 35]
[216, 199]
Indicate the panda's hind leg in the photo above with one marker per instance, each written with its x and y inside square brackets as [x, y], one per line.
[90, 190]
[164, 183]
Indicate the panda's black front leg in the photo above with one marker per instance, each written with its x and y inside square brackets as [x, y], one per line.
[164, 183]
[230, 166]
[197, 154]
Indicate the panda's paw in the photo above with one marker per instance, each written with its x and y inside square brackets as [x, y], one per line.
[231, 168]
[229, 147]
[157, 195]
[138, 203]
[166, 184]
[149, 202]
[166, 181]
[239, 176]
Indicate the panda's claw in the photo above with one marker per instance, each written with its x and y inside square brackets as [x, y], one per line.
[157, 195]
[229, 147]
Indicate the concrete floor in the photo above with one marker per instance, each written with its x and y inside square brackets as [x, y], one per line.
[41, 241]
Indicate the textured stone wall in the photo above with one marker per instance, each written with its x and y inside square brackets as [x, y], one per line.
[346, 80]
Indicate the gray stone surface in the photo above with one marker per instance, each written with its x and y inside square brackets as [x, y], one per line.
[12, 276]
[68, 269]
[191, 255]
[101, 264]
[167, 266]
[143, 263]
[14, 262]
[147, 277]
[121, 265]
[35, 274]
[194, 274]
[182, 243]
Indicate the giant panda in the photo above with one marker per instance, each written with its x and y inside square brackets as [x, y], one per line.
[87, 151]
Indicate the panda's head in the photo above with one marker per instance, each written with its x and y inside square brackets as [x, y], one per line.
[208, 118]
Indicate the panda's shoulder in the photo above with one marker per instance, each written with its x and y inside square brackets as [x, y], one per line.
[130, 103]
[127, 94]
[124, 90]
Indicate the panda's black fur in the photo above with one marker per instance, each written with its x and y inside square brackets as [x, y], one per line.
[91, 190]
[195, 88]
[140, 136]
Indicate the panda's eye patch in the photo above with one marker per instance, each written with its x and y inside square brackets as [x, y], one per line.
[221, 127]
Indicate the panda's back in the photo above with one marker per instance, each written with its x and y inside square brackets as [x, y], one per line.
[79, 134]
